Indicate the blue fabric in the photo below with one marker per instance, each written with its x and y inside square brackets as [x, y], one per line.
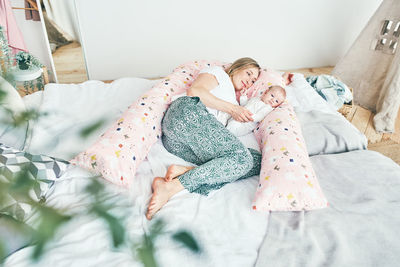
[331, 89]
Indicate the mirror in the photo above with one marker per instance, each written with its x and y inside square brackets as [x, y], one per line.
[63, 35]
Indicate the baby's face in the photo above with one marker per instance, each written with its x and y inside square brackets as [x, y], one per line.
[273, 97]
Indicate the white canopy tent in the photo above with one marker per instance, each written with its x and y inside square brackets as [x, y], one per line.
[372, 66]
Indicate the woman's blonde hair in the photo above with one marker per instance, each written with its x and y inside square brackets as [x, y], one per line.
[241, 63]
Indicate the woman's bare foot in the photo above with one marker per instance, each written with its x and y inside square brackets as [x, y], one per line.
[176, 170]
[162, 192]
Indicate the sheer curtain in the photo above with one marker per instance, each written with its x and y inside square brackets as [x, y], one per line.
[62, 12]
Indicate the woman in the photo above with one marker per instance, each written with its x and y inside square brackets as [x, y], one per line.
[193, 129]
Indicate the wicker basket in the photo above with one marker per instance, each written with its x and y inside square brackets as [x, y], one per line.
[347, 108]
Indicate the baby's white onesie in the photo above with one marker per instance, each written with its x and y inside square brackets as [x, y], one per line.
[259, 110]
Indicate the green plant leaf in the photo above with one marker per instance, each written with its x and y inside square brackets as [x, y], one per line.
[91, 128]
[145, 251]
[187, 240]
[21, 185]
[146, 256]
[3, 95]
[116, 228]
[156, 229]
[50, 220]
[95, 187]
[4, 187]
[25, 116]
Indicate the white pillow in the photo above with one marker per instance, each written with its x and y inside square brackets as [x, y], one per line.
[304, 98]
[10, 106]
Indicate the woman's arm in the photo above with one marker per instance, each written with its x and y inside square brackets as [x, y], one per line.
[202, 86]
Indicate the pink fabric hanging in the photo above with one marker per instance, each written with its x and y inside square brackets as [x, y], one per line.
[11, 30]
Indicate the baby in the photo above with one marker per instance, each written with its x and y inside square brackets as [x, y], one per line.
[260, 107]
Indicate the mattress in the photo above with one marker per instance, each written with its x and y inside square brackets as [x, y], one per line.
[229, 232]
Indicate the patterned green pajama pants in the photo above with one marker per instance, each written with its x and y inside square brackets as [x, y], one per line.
[193, 134]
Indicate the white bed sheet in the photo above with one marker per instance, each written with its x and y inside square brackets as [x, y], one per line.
[229, 231]
[72, 107]
[223, 223]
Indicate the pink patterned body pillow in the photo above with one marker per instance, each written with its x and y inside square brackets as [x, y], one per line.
[117, 154]
[287, 179]
[266, 79]
[120, 150]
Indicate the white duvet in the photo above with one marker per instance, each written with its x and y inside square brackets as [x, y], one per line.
[228, 230]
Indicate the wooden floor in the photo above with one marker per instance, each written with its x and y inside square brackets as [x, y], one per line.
[70, 68]
[69, 64]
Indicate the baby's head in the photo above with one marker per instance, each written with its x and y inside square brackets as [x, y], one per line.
[274, 96]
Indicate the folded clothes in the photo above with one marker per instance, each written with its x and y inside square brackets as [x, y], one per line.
[331, 89]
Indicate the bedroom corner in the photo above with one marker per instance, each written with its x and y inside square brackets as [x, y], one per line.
[199, 133]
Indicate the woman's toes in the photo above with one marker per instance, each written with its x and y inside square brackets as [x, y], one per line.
[159, 198]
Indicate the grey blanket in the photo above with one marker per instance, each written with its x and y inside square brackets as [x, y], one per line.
[359, 228]
[326, 133]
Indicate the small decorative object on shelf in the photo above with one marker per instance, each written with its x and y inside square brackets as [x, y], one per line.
[29, 69]
[23, 67]
[24, 60]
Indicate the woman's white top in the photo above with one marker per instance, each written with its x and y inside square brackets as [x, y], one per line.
[224, 91]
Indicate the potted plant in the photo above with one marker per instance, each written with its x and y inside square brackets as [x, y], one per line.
[24, 60]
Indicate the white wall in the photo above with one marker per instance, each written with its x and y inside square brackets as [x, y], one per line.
[34, 37]
[149, 38]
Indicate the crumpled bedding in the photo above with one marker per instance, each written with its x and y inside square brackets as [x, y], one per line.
[361, 187]
[223, 223]
[360, 226]
[326, 133]
[335, 92]
[228, 231]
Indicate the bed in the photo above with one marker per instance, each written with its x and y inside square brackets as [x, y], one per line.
[359, 228]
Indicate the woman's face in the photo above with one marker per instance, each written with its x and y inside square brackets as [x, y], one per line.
[244, 78]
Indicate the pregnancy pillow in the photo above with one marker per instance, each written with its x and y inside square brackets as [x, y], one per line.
[287, 179]
[267, 78]
[117, 154]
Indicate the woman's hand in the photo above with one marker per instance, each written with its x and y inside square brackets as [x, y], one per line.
[287, 78]
[241, 114]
